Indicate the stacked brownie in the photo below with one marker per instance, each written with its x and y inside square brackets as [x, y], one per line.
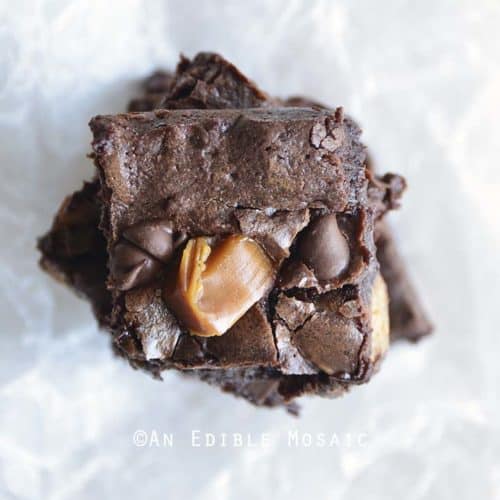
[237, 238]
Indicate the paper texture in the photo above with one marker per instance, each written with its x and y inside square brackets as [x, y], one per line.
[423, 79]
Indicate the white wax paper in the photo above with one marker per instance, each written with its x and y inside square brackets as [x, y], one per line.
[423, 78]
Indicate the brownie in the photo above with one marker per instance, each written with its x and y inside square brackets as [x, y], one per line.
[211, 82]
[74, 250]
[407, 315]
[317, 328]
[154, 89]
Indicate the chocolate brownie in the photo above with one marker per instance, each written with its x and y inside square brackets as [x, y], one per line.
[308, 332]
[74, 250]
[408, 319]
[154, 87]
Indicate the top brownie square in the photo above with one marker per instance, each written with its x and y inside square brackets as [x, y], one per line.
[293, 182]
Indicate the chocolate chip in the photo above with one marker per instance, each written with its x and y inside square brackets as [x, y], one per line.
[330, 343]
[131, 267]
[156, 238]
[323, 247]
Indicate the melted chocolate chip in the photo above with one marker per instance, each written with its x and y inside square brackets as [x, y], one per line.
[140, 255]
[131, 267]
[156, 238]
[324, 248]
[330, 343]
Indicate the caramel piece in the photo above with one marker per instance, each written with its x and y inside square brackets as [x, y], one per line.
[215, 287]
[380, 318]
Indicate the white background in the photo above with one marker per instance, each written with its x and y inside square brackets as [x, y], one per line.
[423, 79]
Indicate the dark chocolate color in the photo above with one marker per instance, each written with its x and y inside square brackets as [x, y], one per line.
[130, 266]
[256, 158]
[155, 237]
[199, 169]
[331, 343]
[74, 250]
[324, 248]
[76, 253]
[211, 82]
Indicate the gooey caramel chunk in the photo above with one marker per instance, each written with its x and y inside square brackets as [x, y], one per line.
[380, 318]
[214, 287]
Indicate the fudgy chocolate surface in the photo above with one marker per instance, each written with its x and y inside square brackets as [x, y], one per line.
[198, 170]
[211, 82]
[195, 168]
[263, 357]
